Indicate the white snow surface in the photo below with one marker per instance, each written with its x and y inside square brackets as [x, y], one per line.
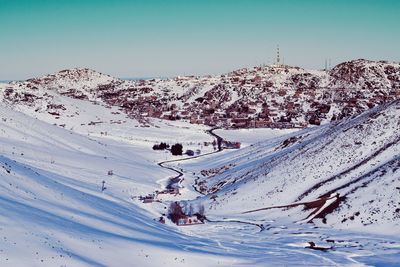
[357, 158]
[54, 213]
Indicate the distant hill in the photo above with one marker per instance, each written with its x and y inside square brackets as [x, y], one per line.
[270, 96]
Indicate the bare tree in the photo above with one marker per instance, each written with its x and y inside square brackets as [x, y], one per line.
[175, 212]
[201, 210]
[190, 212]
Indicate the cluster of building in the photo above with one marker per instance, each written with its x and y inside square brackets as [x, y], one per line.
[275, 96]
[171, 191]
[149, 198]
[189, 220]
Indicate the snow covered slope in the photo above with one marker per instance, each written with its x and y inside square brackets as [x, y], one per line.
[358, 158]
[362, 74]
[55, 209]
[54, 213]
[75, 154]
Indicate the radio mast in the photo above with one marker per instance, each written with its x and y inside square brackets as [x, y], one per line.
[278, 59]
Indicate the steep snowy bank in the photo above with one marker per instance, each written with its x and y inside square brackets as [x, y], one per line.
[357, 158]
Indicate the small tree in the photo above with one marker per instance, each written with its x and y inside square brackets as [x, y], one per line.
[175, 212]
[164, 145]
[200, 213]
[161, 146]
[201, 210]
[190, 212]
[156, 147]
[177, 149]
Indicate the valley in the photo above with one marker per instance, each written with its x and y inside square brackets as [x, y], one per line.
[81, 183]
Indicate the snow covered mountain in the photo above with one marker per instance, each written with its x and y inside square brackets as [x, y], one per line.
[269, 96]
[56, 210]
[84, 79]
[358, 159]
[76, 158]
[365, 74]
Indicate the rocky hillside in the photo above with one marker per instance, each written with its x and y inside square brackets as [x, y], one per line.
[355, 164]
[365, 74]
[269, 96]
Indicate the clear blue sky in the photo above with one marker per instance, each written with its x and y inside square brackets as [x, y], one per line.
[171, 37]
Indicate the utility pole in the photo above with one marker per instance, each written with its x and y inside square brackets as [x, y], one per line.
[103, 187]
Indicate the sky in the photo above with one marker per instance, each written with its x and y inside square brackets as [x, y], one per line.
[164, 38]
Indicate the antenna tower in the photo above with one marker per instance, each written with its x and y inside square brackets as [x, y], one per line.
[278, 59]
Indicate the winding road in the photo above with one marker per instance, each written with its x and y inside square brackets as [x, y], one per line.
[178, 178]
[318, 204]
